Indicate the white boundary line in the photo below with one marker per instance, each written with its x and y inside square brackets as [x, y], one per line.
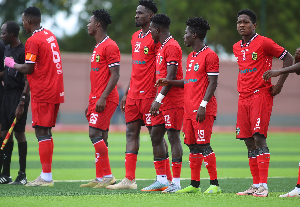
[74, 181]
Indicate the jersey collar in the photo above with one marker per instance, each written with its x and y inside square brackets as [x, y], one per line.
[201, 50]
[38, 30]
[141, 34]
[165, 42]
[248, 43]
[102, 41]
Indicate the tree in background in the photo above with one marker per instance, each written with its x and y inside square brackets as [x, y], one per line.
[11, 10]
[280, 19]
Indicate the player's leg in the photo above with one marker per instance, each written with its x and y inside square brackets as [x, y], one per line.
[296, 191]
[159, 152]
[98, 132]
[5, 177]
[168, 168]
[19, 131]
[22, 148]
[261, 109]
[243, 132]
[135, 118]
[44, 117]
[195, 157]
[173, 122]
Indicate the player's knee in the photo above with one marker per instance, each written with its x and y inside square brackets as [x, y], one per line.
[206, 151]
[20, 137]
[195, 150]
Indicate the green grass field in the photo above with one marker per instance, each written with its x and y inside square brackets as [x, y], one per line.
[73, 164]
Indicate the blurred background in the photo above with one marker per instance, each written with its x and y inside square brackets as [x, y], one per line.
[277, 20]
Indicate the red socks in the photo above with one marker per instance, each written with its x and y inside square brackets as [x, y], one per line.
[130, 165]
[168, 169]
[298, 183]
[254, 169]
[195, 165]
[101, 152]
[160, 167]
[46, 152]
[210, 163]
[263, 161]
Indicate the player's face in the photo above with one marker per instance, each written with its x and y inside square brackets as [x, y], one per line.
[142, 16]
[4, 35]
[154, 32]
[188, 37]
[91, 26]
[26, 24]
[245, 26]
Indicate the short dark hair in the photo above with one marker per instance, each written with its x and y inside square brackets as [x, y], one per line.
[161, 20]
[32, 11]
[149, 4]
[12, 28]
[249, 13]
[198, 25]
[103, 17]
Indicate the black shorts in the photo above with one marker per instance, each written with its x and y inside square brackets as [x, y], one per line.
[10, 101]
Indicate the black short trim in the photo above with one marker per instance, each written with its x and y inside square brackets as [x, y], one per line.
[172, 129]
[37, 126]
[99, 129]
[142, 124]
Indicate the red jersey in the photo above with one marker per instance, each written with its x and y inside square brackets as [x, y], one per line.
[170, 53]
[46, 81]
[199, 66]
[143, 66]
[105, 55]
[254, 58]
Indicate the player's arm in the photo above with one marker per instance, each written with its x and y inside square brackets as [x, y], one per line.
[166, 82]
[24, 98]
[171, 75]
[287, 61]
[291, 69]
[26, 68]
[123, 101]
[211, 88]
[115, 75]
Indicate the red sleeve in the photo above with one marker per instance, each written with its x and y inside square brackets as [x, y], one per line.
[173, 55]
[212, 64]
[272, 48]
[113, 55]
[31, 47]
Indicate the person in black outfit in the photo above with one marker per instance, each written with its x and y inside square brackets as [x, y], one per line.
[2, 48]
[14, 104]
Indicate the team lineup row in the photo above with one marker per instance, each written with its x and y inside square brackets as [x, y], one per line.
[161, 109]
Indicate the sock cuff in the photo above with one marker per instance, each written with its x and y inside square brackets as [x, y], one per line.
[208, 150]
[263, 150]
[177, 159]
[96, 139]
[131, 152]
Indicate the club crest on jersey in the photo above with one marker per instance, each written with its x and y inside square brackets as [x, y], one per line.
[160, 59]
[254, 56]
[196, 67]
[237, 131]
[97, 58]
[146, 50]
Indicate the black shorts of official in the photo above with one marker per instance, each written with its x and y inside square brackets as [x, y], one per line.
[10, 101]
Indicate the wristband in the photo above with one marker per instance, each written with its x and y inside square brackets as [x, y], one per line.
[159, 98]
[24, 97]
[203, 103]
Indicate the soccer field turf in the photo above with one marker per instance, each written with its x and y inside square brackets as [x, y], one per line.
[73, 160]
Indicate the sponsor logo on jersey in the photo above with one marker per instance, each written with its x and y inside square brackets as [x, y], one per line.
[190, 81]
[146, 50]
[254, 56]
[95, 69]
[248, 70]
[196, 67]
[137, 62]
[237, 130]
[97, 58]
